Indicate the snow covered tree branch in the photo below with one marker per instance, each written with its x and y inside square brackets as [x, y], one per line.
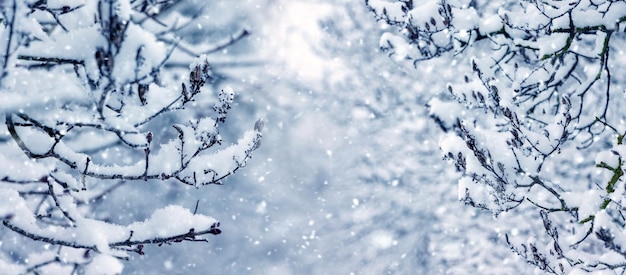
[90, 105]
[532, 117]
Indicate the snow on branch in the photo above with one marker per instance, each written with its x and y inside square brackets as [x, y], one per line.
[535, 96]
[91, 104]
[165, 226]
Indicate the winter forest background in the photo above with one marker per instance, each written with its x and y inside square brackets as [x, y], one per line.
[326, 137]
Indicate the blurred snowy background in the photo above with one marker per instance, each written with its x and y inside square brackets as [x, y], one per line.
[349, 178]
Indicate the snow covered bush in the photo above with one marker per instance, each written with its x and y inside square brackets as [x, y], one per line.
[533, 117]
[92, 103]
